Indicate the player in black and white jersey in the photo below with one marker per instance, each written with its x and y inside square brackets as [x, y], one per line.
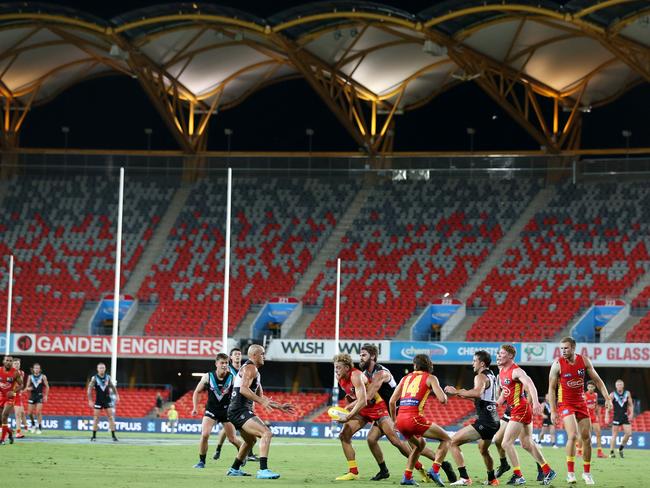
[38, 389]
[103, 386]
[382, 383]
[219, 384]
[623, 414]
[485, 394]
[247, 390]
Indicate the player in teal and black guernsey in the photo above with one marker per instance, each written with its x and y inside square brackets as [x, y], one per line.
[38, 389]
[247, 389]
[102, 386]
[623, 414]
[218, 384]
[233, 366]
[485, 394]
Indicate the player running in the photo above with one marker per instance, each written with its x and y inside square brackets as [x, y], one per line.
[235, 364]
[623, 414]
[19, 402]
[247, 389]
[10, 383]
[486, 425]
[103, 385]
[412, 392]
[38, 389]
[591, 398]
[218, 383]
[513, 381]
[570, 371]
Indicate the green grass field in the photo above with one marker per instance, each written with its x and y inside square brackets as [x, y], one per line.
[58, 460]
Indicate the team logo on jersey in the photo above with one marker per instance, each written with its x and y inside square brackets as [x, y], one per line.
[507, 381]
[581, 372]
[577, 383]
[566, 375]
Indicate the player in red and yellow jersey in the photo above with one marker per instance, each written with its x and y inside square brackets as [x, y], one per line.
[513, 382]
[412, 392]
[591, 397]
[10, 383]
[19, 402]
[568, 399]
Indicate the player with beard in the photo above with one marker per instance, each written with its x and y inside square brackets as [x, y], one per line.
[381, 382]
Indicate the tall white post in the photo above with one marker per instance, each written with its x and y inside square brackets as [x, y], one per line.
[9, 302]
[226, 269]
[118, 269]
[335, 388]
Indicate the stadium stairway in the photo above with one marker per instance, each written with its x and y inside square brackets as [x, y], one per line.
[139, 322]
[536, 204]
[157, 242]
[458, 334]
[81, 325]
[331, 246]
[243, 330]
[299, 329]
[628, 325]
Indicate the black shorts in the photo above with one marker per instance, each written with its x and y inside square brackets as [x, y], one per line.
[486, 430]
[547, 422]
[621, 420]
[99, 405]
[35, 399]
[216, 415]
[239, 417]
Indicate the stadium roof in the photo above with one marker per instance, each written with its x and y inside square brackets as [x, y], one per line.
[543, 62]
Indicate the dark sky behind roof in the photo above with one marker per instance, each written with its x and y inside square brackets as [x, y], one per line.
[112, 112]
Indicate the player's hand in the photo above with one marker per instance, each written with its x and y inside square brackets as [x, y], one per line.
[194, 412]
[267, 403]
[537, 408]
[343, 418]
[609, 405]
[450, 390]
[91, 404]
[287, 408]
[44, 399]
[554, 418]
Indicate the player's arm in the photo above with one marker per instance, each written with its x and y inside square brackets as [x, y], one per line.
[360, 390]
[608, 397]
[434, 385]
[378, 379]
[89, 392]
[630, 407]
[552, 389]
[480, 383]
[529, 386]
[600, 384]
[46, 388]
[249, 372]
[197, 391]
[112, 386]
[392, 403]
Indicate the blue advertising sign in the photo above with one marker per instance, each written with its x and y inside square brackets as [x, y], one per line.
[105, 313]
[595, 318]
[444, 352]
[301, 430]
[274, 312]
[436, 313]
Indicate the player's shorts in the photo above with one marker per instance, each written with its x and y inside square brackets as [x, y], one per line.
[5, 400]
[621, 420]
[547, 421]
[487, 430]
[522, 413]
[35, 398]
[374, 412]
[592, 417]
[101, 405]
[579, 410]
[239, 417]
[216, 415]
[412, 425]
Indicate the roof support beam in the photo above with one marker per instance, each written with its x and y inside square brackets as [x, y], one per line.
[362, 114]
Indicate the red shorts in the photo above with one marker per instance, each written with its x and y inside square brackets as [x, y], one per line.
[374, 412]
[5, 400]
[579, 410]
[522, 413]
[412, 425]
